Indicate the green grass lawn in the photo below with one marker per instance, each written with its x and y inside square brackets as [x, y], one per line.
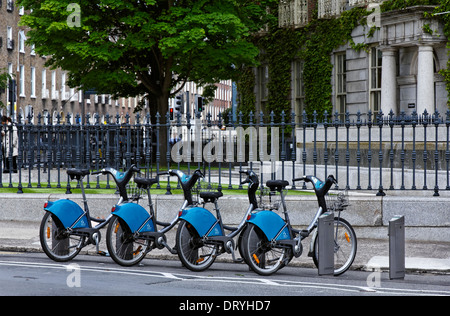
[102, 190]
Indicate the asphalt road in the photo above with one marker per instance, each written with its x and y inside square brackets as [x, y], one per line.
[35, 274]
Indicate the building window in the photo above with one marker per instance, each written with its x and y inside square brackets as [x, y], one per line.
[9, 41]
[44, 90]
[55, 94]
[33, 82]
[341, 85]
[22, 81]
[22, 39]
[8, 96]
[9, 5]
[299, 90]
[375, 80]
[263, 79]
[64, 96]
[29, 114]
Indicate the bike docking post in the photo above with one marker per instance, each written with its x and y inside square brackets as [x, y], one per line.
[397, 247]
[326, 243]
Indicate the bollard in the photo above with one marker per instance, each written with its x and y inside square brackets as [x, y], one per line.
[397, 247]
[326, 244]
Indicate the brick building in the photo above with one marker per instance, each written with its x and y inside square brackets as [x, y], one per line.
[40, 89]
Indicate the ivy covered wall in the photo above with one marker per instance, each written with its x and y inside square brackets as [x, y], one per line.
[314, 44]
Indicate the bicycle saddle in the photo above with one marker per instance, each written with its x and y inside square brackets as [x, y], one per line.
[144, 183]
[77, 173]
[277, 185]
[210, 196]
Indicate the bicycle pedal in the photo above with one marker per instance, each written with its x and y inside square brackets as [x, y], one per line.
[103, 253]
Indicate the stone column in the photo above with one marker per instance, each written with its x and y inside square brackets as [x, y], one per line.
[425, 79]
[389, 81]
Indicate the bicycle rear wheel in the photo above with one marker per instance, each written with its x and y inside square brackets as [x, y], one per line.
[345, 246]
[192, 251]
[260, 254]
[123, 247]
[57, 243]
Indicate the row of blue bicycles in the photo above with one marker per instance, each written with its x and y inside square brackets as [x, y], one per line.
[265, 238]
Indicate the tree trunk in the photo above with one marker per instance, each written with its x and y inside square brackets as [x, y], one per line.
[163, 109]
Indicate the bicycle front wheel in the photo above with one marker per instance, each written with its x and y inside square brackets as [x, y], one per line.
[57, 243]
[123, 247]
[261, 256]
[345, 245]
[192, 251]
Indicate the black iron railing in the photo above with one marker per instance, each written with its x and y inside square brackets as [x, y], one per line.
[364, 151]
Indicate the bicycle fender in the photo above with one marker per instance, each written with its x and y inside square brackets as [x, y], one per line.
[134, 216]
[67, 212]
[202, 220]
[270, 224]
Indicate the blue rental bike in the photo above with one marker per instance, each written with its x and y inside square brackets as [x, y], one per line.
[66, 228]
[133, 231]
[201, 235]
[269, 241]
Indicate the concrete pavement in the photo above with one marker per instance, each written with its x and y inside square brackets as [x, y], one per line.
[372, 254]
[427, 221]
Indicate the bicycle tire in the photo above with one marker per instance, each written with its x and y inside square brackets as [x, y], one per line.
[122, 245]
[259, 252]
[57, 243]
[241, 246]
[346, 243]
[192, 251]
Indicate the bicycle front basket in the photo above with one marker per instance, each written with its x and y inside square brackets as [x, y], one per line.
[134, 193]
[337, 202]
[269, 200]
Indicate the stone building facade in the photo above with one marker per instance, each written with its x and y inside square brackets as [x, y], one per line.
[398, 71]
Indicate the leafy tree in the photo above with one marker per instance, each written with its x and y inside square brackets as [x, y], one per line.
[145, 47]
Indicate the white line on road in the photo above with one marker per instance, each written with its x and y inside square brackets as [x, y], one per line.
[239, 280]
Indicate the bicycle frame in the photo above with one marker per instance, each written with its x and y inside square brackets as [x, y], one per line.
[76, 220]
[271, 224]
[211, 228]
[280, 231]
[143, 223]
[71, 215]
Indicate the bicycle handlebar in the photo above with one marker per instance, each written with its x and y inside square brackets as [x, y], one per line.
[187, 182]
[253, 181]
[115, 172]
[320, 188]
[121, 178]
[251, 176]
[313, 179]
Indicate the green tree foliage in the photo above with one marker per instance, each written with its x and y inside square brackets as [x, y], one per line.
[145, 47]
[4, 77]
